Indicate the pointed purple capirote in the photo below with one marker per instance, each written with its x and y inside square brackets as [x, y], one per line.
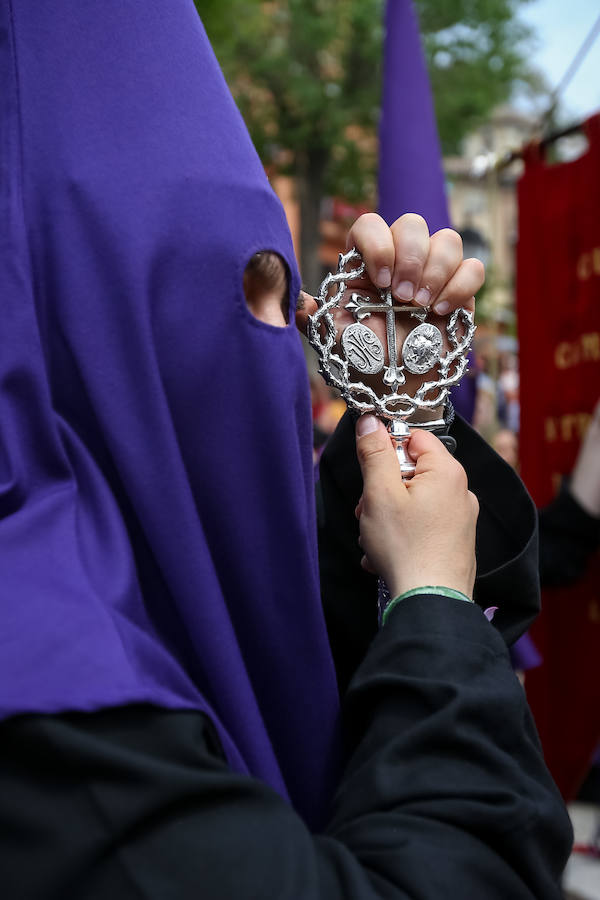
[411, 177]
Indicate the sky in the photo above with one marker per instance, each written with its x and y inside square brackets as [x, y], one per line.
[561, 26]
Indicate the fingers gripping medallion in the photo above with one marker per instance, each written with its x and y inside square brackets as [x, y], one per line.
[362, 351]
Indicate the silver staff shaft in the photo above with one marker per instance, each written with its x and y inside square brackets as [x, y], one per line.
[400, 435]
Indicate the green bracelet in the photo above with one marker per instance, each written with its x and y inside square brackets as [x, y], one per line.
[438, 589]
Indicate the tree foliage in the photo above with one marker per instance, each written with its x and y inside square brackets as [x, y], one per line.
[477, 54]
[307, 77]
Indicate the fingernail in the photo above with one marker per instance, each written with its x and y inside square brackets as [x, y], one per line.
[384, 278]
[441, 308]
[366, 424]
[405, 290]
[423, 297]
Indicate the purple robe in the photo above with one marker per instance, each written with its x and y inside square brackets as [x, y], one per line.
[157, 522]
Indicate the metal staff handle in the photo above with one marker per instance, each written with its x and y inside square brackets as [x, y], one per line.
[400, 435]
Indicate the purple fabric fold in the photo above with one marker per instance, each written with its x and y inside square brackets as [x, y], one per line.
[524, 654]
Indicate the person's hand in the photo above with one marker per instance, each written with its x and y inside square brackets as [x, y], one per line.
[421, 269]
[585, 479]
[418, 532]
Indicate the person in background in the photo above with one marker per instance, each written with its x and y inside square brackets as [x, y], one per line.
[506, 444]
[508, 392]
[570, 525]
[569, 538]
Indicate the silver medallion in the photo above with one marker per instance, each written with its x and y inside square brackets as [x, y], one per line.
[363, 349]
[422, 348]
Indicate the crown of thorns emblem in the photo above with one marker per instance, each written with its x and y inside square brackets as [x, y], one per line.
[363, 352]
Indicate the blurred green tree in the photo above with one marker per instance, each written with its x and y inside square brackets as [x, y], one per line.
[306, 75]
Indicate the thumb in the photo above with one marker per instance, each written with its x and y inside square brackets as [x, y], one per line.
[376, 455]
[427, 450]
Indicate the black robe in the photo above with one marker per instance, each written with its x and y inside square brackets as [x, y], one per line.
[445, 790]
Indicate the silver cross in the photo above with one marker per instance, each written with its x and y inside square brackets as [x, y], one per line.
[361, 307]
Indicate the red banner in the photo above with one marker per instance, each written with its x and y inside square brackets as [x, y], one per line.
[558, 301]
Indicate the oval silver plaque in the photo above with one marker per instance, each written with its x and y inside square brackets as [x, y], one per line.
[422, 348]
[363, 349]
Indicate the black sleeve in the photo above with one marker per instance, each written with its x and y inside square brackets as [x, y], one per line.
[569, 536]
[507, 544]
[445, 793]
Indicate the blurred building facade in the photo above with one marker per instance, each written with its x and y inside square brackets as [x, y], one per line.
[483, 203]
